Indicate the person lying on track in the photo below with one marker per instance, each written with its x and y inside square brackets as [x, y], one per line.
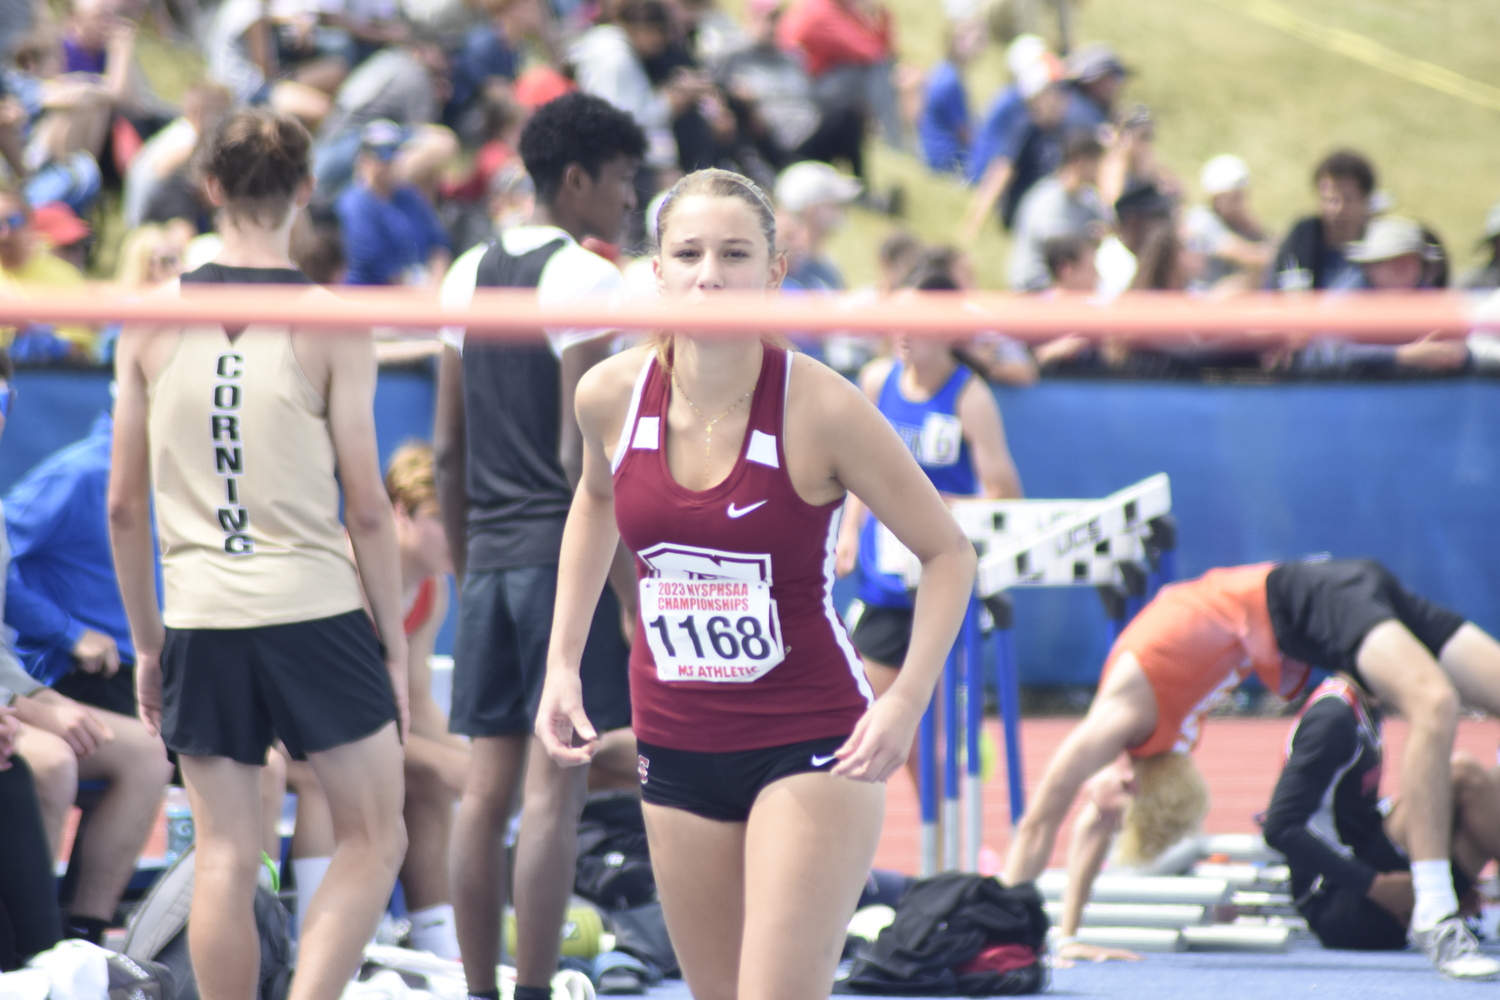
[1197, 641]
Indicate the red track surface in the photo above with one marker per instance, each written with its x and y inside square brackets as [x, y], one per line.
[1240, 758]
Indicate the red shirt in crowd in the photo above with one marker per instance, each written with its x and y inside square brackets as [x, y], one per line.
[831, 33]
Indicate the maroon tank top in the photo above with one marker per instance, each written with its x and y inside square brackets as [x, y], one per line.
[737, 646]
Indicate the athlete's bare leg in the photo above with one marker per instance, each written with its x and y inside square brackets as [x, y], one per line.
[757, 911]
[1122, 715]
[363, 785]
[615, 766]
[313, 835]
[429, 827]
[1399, 670]
[222, 938]
[1476, 797]
[478, 860]
[272, 792]
[700, 876]
[546, 853]
[54, 770]
[135, 765]
[809, 846]
[1471, 659]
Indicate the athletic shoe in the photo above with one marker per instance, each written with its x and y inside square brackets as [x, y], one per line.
[1454, 951]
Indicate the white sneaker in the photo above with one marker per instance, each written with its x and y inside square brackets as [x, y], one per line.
[1454, 951]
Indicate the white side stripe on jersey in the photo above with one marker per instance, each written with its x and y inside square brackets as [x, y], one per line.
[856, 666]
[635, 404]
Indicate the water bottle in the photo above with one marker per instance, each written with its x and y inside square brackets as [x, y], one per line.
[179, 823]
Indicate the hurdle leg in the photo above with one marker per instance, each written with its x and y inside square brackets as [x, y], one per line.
[1008, 678]
[973, 721]
[927, 794]
[952, 724]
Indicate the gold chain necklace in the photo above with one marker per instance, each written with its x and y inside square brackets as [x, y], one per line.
[708, 434]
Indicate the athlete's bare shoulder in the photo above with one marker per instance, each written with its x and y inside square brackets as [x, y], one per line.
[819, 394]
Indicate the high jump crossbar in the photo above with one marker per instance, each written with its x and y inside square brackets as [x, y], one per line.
[1263, 320]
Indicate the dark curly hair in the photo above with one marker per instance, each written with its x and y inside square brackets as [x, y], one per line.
[576, 128]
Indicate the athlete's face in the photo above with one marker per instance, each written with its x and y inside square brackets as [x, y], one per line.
[422, 540]
[714, 244]
[610, 198]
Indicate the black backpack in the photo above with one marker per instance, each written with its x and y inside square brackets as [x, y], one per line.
[614, 862]
[944, 922]
[157, 935]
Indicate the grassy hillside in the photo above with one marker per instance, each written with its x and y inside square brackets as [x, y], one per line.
[1220, 81]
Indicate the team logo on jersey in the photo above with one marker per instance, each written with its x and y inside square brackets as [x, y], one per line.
[689, 562]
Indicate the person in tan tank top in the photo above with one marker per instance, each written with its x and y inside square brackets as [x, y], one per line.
[262, 634]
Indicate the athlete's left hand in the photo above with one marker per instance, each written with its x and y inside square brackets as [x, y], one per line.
[880, 742]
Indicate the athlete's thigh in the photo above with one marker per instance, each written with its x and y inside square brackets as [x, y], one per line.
[129, 752]
[1395, 667]
[226, 801]
[808, 849]
[700, 876]
[1471, 659]
[363, 782]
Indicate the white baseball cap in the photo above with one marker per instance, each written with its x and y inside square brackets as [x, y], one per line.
[1023, 51]
[812, 182]
[1388, 237]
[1224, 173]
[1041, 73]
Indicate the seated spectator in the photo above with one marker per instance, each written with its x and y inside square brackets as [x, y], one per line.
[943, 126]
[813, 196]
[778, 110]
[1070, 262]
[406, 84]
[24, 262]
[1486, 275]
[1396, 254]
[241, 53]
[1095, 78]
[1064, 204]
[848, 46]
[392, 235]
[68, 116]
[491, 51]
[1131, 160]
[897, 257]
[609, 60]
[1226, 232]
[150, 256]
[179, 199]
[28, 890]
[1313, 253]
[64, 603]
[318, 252]
[1007, 109]
[1031, 150]
[60, 231]
[203, 107]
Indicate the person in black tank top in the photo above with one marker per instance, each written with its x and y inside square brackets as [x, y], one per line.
[324, 686]
[760, 849]
[507, 448]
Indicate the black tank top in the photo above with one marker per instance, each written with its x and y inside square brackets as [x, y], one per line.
[518, 493]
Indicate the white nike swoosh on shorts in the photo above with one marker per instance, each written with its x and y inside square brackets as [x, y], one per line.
[744, 510]
[820, 761]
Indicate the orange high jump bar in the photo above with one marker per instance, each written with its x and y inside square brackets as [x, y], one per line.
[1166, 318]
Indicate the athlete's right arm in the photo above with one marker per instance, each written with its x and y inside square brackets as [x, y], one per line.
[588, 550]
[130, 523]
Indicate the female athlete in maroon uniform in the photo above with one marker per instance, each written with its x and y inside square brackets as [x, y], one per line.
[731, 462]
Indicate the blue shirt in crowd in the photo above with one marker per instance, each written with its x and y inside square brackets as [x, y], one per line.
[1000, 133]
[62, 576]
[383, 239]
[485, 53]
[944, 124]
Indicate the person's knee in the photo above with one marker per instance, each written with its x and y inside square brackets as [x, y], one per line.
[1469, 776]
[54, 768]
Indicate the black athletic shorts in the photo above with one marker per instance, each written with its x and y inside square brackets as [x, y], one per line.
[500, 654]
[1349, 920]
[1322, 611]
[882, 634]
[113, 694]
[315, 685]
[723, 786]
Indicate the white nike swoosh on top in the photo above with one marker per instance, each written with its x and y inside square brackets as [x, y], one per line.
[820, 761]
[741, 512]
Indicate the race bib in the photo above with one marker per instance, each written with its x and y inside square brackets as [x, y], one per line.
[942, 437]
[718, 630]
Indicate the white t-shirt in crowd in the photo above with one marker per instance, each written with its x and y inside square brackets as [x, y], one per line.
[572, 275]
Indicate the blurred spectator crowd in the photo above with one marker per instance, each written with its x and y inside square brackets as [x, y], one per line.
[415, 107]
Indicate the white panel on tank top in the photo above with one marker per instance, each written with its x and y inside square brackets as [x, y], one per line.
[647, 433]
[762, 449]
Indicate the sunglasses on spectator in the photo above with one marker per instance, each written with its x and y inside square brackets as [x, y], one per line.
[7, 397]
[16, 220]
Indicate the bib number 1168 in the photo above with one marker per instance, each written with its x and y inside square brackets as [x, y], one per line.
[710, 631]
